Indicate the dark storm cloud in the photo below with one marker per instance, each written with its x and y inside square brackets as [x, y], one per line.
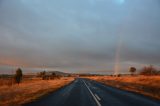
[79, 35]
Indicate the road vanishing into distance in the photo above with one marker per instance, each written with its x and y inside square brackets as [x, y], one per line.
[84, 92]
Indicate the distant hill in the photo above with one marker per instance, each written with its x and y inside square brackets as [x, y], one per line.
[59, 73]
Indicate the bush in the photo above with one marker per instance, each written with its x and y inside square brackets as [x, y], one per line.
[53, 76]
[46, 75]
[150, 70]
[119, 75]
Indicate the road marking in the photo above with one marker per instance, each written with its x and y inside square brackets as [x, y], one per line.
[97, 97]
[97, 102]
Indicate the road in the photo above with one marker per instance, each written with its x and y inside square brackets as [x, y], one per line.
[84, 92]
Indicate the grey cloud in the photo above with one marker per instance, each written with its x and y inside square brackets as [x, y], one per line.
[79, 35]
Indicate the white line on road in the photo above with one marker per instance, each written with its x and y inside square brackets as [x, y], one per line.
[97, 97]
[98, 103]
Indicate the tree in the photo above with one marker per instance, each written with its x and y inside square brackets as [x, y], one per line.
[18, 76]
[132, 70]
[149, 70]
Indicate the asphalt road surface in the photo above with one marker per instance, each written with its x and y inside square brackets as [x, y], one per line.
[84, 92]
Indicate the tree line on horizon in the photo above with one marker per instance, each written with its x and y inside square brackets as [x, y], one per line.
[18, 76]
[147, 71]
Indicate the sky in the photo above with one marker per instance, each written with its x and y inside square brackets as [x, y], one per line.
[80, 36]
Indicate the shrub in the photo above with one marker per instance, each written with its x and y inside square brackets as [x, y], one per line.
[53, 76]
[150, 70]
[118, 75]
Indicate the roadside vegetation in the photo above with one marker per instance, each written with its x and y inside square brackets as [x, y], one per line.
[19, 89]
[146, 82]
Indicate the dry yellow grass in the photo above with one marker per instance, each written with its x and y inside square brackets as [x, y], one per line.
[146, 85]
[29, 90]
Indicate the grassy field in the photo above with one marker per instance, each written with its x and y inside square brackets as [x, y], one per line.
[29, 90]
[146, 85]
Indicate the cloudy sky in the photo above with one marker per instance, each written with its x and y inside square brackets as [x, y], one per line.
[100, 36]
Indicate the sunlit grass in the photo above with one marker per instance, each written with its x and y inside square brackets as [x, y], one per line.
[29, 90]
[146, 85]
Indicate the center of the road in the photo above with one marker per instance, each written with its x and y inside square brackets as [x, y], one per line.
[95, 97]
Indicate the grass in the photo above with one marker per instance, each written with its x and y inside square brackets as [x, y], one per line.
[146, 85]
[29, 90]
